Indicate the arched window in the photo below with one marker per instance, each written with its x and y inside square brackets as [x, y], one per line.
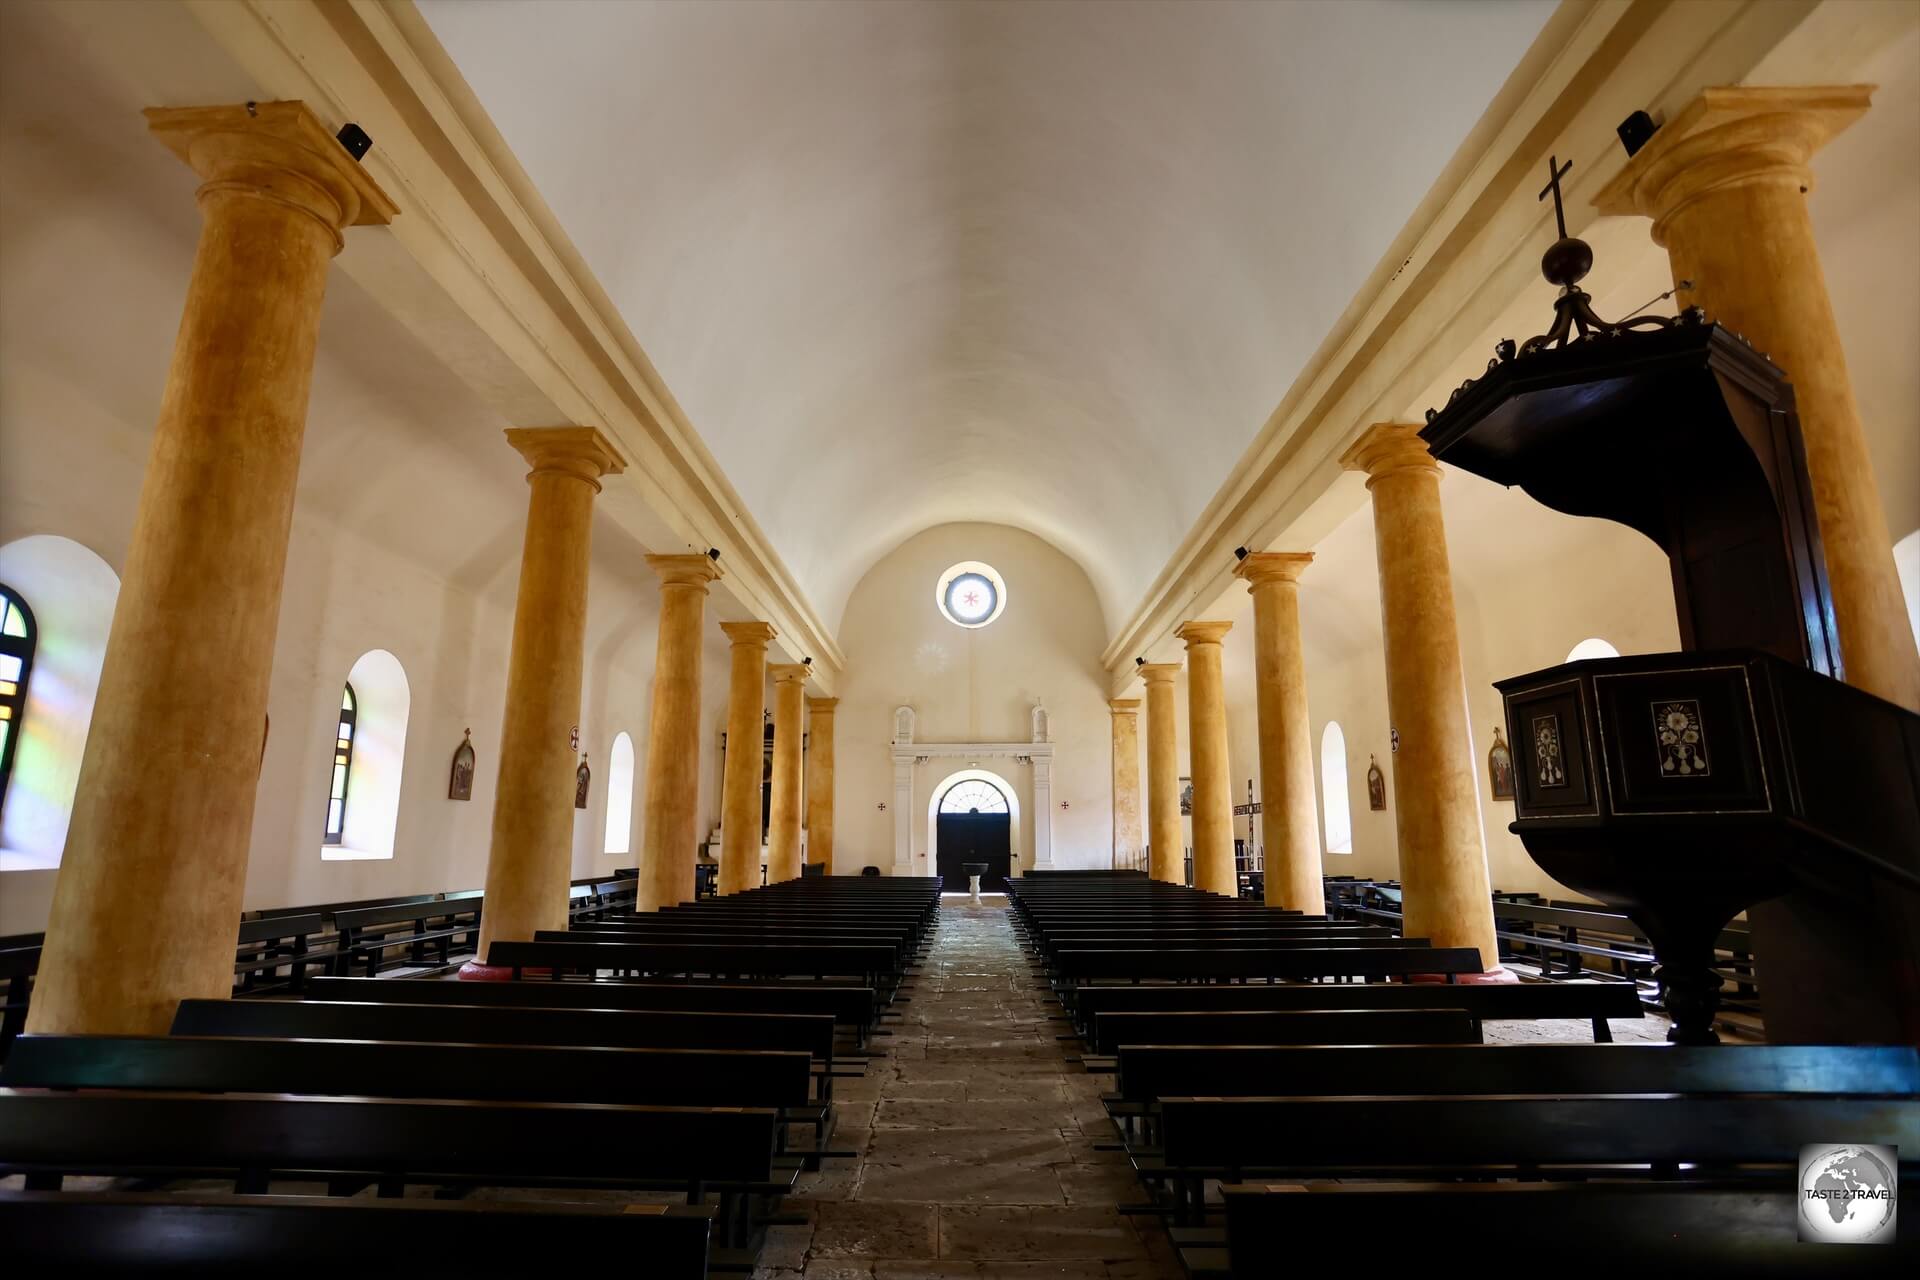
[973, 796]
[1333, 789]
[620, 796]
[369, 755]
[1592, 647]
[17, 635]
[342, 769]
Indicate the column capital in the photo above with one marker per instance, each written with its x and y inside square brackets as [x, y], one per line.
[1203, 632]
[788, 672]
[278, 151]
[1264, 567]
[581, 452]
[1388, 447]
[756, 633]
[822, 706]
[1158, 672]
[1729, 137]
[1124, 706]
[685, 570]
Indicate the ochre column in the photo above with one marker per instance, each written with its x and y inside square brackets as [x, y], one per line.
[1443, 861]
[1213, 866]
[740, 788]
[673, 734]
[1288, 820]
[1165, 848]
[146, 908]
[532, 849]
[1725, 182]
[820, 782]
[1126, 781]
[783, 820]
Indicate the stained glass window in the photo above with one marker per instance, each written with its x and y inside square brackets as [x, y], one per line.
[973, 796]
[17, 635]
[342, 769]
[970, 598]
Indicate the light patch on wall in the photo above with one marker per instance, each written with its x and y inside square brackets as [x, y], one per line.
[379, 753]
[1591, 647]
[1335, 805]
[71, 592]
[620, 796]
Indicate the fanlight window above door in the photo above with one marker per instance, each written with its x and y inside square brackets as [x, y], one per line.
[973, 796]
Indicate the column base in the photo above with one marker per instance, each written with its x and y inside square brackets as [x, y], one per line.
[474, 971]
[1499, 975]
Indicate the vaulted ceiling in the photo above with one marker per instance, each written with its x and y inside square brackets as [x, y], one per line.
[1048, 265]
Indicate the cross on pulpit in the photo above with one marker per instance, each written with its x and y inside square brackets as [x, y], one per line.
[1555, 172]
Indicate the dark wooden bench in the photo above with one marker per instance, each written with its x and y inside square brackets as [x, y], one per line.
[781, 1079]
[367, 934]
[255, 1138]
[873, 966]
[1268, 962]
[718, 936]
[272, 943]
[1285, 1027]
[19, 961]
[1520, 1000]
[1424, 1136]
[1148, 1072]
[476, 1024]
[853, 1008]
[1685, 1228]
[122, 1233]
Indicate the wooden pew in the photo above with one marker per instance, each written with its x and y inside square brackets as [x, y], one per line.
[475, 1024]
[1420, 1136]
[1287, 1027]
[203, 1235]
[1148, 1072]
[255, 1138]
[370, 932]
[419, 1069]
[873, 966]
[1698, 1228]
[1268, 962]
[855, 1008]
[1519, 1000]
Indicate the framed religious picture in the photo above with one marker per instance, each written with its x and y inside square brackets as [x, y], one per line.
[460, 781]
[1500, 766]
[1376, 785]
[582, 778]
[1186, 797]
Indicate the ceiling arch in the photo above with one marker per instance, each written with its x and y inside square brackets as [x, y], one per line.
[1046, 265]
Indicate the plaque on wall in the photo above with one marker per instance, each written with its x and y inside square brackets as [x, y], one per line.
[1500, 766]
[1376, 786]
[460, 781]
[582, 777]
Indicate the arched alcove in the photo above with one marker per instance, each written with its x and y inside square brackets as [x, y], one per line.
[1335, 806]
[620, 795]
[946, 784]
[71, 592]
[382, 702]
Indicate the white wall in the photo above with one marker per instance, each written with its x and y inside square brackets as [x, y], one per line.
[973, 685]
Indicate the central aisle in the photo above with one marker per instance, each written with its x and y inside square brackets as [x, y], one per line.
[976, 1139]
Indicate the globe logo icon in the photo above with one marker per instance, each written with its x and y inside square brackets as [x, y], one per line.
[1848, 1194]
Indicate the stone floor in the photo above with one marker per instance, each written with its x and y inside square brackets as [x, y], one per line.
[976, 1140]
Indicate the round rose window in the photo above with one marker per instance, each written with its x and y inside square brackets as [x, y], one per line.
[971, 594]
